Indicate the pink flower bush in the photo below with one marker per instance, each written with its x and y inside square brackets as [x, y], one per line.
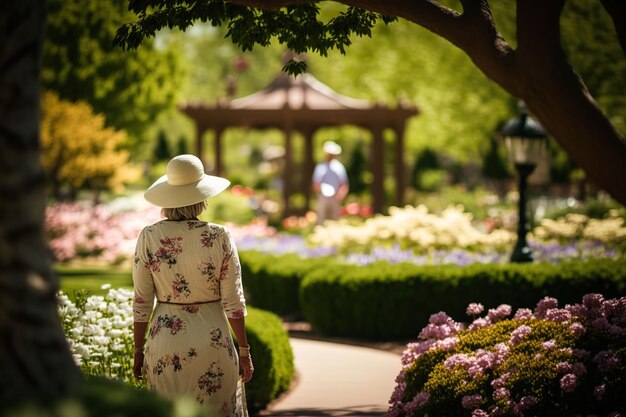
[80, 230]
[475, 309]
[548, 362]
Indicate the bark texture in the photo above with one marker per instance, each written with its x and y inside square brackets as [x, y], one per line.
[35, 362]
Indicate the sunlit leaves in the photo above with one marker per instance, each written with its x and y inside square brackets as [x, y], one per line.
[299, 28]
[77, 150]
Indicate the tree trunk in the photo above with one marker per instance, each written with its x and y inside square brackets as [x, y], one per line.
[556, 94]
[35, 362]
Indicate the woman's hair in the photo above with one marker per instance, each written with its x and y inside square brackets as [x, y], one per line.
[184, 213]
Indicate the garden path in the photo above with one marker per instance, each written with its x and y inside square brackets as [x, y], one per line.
[338, 380]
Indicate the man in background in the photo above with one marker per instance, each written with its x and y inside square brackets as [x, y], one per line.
[330, 183]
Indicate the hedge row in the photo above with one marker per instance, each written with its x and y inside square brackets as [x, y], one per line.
[272, 282]
[393, 301]
[272, 356]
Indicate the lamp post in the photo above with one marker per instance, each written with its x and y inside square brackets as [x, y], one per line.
[525, 141]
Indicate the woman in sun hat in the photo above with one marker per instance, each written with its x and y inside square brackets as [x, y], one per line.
[192, 269]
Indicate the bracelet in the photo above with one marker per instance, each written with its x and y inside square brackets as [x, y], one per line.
[244, 351]
[138, 350]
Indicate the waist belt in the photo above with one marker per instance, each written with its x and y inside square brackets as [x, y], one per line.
[189, 304]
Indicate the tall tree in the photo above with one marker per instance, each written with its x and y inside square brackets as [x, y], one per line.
[536, 70]
[35, 361]
[81, 63]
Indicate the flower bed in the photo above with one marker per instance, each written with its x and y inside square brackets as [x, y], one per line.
[99, 332]
[107, 234]
[550, 362]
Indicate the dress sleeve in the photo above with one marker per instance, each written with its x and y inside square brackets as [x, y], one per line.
[231, 287]
[143, 302]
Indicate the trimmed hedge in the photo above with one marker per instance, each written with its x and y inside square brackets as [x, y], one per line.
[272, 357]
[393, 301]
[272, 282]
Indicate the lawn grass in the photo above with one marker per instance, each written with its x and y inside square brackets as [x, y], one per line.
[90, 278]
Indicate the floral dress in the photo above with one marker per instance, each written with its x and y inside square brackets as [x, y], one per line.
[192, 268]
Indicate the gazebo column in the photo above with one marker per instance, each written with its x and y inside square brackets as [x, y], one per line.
[399, 166]
[217, 147]
[377, 160]
[200, 129]
[309, 166]
[287, 172]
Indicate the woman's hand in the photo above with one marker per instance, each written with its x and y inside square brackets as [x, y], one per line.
[246, 368]
[138, 365]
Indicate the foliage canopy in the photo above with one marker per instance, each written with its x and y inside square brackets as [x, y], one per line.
[81, 63]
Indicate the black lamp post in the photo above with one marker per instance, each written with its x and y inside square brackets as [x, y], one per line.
[525, 141]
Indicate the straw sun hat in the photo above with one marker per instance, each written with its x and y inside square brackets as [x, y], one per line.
[184, 184]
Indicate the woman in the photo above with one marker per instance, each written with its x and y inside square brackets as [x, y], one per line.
[192, 268]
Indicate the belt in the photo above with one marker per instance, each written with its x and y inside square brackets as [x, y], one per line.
[188, 304]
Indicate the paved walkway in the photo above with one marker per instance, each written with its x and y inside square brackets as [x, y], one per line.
[338, 380]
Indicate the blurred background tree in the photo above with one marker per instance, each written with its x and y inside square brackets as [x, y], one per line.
[79, 152]
[357, 169]
[162, 150]
[131, 88]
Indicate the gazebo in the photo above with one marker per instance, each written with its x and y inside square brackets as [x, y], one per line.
[304, 105]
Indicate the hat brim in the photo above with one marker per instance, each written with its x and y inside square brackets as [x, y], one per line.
[332, 149]
[165, 195]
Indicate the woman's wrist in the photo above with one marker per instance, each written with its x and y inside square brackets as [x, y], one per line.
[244, 350]
[139, 350]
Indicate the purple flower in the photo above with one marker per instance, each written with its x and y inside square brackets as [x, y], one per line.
[564, 367]
[578, 329]
[523, 314]
[474, 309]
[558, 315]
[577, 310]
[479, 323]
[500, 313]
[592, 301]
[527, 402]
[416, 403]
[544, 305]
[439, 319]
[519, 334]
[549, 345]
[568, 382]
[599, 392]
[471, 402]
[579, 369]
[501, 394]
[479, 413]
[580, 353]
[447, 344]
[606, 360]
[459, 359]
[499, 382]
[601, 324]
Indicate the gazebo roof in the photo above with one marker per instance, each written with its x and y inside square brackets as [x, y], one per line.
[303, 92]
[299, 101]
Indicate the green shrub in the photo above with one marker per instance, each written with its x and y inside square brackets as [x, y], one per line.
[272, 357]
[272, 282]
[391, 301]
